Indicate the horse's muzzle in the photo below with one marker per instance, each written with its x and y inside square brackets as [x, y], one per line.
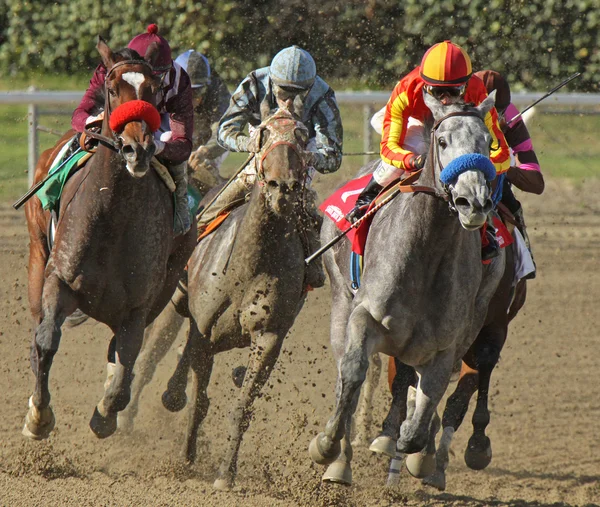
[137, 157]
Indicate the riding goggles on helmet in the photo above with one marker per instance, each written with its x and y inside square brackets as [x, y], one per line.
[439, 92]
[289, 92]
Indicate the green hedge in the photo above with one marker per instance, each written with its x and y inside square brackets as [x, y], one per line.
[366, 42]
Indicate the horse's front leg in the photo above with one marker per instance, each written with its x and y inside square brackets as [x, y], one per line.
[128, 342]
[159, 340]
[264, 351]
[325, 447]
[401, 377]
[479, 449]
[57, 303]
[454, 414]
[433, 381]
[363, 418]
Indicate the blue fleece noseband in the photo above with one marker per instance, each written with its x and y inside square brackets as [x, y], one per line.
[467, 162]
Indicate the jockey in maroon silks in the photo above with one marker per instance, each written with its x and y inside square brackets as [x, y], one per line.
[174, 102]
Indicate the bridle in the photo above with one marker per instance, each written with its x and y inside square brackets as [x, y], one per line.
[114, 141]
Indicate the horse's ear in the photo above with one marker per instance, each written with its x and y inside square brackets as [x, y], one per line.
[301, 135]
[486, 106]
[434, 105]
[108, 57]
[264, 135]
[152, 53]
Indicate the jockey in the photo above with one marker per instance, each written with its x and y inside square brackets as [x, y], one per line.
[290, 82]
[524, 171]
[446, 74]
[173, 100]
[210, 98]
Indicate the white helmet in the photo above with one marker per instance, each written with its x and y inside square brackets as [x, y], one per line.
[293, 67]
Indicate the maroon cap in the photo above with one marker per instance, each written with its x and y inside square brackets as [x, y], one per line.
[495, 81]
[140, 43]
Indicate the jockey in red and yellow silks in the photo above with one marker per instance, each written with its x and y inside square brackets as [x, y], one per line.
[446, 74]
[407, 101]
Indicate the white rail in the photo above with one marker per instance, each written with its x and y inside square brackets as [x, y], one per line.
[369, 100]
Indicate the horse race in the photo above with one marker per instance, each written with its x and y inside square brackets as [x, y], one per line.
[300, 253]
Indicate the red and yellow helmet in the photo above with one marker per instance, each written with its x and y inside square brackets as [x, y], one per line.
[446, 64]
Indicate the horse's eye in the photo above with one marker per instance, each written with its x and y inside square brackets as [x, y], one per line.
[442, 142]
[112, 92]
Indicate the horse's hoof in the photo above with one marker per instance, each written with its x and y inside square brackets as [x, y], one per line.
[76, 318]
[320, 456]
[174, 403]
[339, 472]
[420, 465]
[384, 445]
[223, 484]
[38, 423]
[238, 374]
[436, 480]
[103, 426]
[478, 453]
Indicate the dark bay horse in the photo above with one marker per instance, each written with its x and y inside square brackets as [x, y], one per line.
[246, 286]
[424, 292]
[114, 255]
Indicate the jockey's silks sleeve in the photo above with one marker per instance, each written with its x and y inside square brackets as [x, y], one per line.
[90, 105]
[407, 101]
[253, 101]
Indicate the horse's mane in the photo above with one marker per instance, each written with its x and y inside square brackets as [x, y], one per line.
[120, 55]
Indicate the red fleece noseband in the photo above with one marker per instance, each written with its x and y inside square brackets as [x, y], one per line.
[134, 110]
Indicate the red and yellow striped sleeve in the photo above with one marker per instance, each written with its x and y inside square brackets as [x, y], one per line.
[499, 152]
[395, 121]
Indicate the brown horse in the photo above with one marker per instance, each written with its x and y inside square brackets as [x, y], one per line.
[114, 255]
[246, 286]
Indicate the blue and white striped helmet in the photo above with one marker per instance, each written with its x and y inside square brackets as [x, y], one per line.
[293, 67]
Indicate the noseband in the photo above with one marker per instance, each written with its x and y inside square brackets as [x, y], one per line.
[113, 142]
[434, 154]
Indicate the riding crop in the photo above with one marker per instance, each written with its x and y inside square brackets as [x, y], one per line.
[555, 89]
[356, 224]
[235, 175]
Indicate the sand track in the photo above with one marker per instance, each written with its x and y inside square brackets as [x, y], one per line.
[545, 401]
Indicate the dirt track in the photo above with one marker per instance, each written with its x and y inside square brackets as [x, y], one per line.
[545, 401]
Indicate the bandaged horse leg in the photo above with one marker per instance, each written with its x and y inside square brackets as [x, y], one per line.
[158, 341]
[40, 421]
[433, 381]
[183, 220]
[236, 190]
[402, 377]
[363, 418]
[128, 342]
[325, 447]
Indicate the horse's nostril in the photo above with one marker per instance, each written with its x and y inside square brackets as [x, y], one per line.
[273, 184]
[128, 150]
[487, 207]
[296, 186]
[462, 202]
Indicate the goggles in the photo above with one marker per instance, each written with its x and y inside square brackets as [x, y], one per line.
[289, 92]
[439, 92]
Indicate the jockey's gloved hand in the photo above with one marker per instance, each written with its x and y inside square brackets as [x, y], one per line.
[414, 162]
[251, 143]
[311, 158]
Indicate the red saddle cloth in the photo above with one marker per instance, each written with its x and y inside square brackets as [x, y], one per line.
[341, 202]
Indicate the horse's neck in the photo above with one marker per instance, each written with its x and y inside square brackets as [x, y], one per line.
[262, 232]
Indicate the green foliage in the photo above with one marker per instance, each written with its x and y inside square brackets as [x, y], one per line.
[371, 42]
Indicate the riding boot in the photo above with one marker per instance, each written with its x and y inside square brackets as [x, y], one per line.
[492, 249]
[183, 220]
[364, 199]
[236, 190]
[520, 219]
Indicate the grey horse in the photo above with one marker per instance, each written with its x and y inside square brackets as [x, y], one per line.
[424, 292]
[246, 287]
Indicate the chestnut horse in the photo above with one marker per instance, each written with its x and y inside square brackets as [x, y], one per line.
[114, 254]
